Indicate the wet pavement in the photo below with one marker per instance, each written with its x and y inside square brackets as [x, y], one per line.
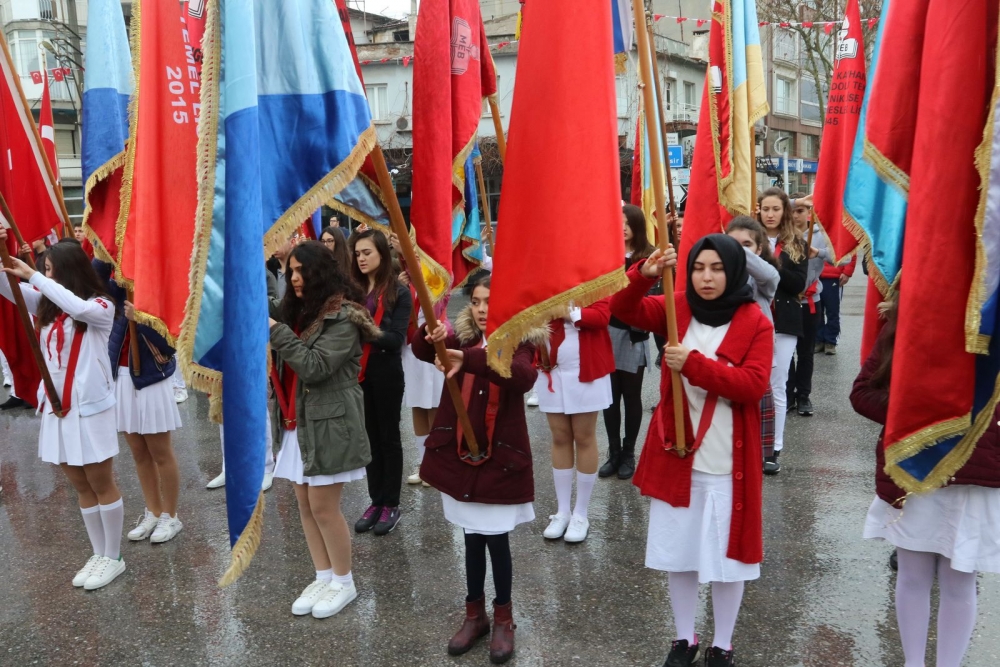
[824, 597]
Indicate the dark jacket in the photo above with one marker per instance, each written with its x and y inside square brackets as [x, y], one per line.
[787, 305]
[386, 355]
[506, 478]
[329, 404]
[982, 468]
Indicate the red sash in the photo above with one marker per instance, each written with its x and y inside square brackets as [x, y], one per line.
[492, 408]
[285, 393]
[366, 350]
[74, 358]
[703, 425]
[545, 361]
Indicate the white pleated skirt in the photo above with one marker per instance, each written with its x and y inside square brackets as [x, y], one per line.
[289, 465]
[76, 440]
[486, 519]
[696, 538]
[147, 411]
[569, 396]
[961, 523]
[422, 382]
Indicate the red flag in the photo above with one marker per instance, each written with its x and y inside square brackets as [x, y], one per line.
[25, 182]
[47, 129]
[452, 73]
[872, 321]
[159, 190]
[16, 346]
[842, 114]
[562, 171]
[635, 196]
[345, 19]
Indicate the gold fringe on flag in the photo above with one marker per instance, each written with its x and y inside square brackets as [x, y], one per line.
[621, 63]
[245, 547]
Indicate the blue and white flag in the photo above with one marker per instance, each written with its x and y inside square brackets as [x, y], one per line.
[621, 31]
[285, 125]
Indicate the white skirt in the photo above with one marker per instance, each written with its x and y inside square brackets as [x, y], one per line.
[961, 523]
[77, 440]
[151, 410]
[568, 395]
[423, 382]
[696, 538]
[486, 519]
[289, 465]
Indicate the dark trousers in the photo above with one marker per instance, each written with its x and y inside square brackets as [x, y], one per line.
[660, 343]
[383, 401]
[627, 386]
[475, 565]
[800, 375]
[829, 311]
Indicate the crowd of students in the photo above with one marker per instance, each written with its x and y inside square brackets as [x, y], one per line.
[349, 351]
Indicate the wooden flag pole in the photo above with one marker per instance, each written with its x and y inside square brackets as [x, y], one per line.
[38, 137]
[29, 329]
[486, 205]
[133, 339]
[423, 294]
[498, 128]
[663, 127]
[659, 188]
[29, 260]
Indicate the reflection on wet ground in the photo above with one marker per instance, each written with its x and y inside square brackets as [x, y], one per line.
[824, 598]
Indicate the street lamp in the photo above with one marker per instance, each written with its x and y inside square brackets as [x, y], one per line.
[781, 145]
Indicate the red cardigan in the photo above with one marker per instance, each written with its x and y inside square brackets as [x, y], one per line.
[597, 357]
[748, 346]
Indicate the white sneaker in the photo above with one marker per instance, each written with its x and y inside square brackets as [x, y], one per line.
[81, 577]
[103, 573]
[578, 529]
[557, 526]
[266, 484]
[310, 596]
[533, 399]
[218, 482]
[180, 394]
[143, 527]
[414, 478]
[337, 597]
[166, 529]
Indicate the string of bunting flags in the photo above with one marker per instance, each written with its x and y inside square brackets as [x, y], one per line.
[826, 25]
[58, 73]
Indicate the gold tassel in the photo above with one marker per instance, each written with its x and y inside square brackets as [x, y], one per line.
[621, 63]
[245, 547]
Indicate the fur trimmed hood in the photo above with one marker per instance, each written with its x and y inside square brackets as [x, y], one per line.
[356, 314]
[468, 333]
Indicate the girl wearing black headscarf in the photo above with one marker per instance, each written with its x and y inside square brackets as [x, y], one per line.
[705, 514]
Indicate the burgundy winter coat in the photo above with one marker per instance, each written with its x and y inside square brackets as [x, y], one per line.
[506, 478]
[982, 468]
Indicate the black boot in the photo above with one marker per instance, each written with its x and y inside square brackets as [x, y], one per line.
[614, 460]
[626, 466]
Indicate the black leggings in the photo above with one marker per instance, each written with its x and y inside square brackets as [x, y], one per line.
[628, 386]
[383, 401]
[800, 373]
[475, 565]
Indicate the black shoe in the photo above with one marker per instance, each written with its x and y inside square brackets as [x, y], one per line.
[805, 407]
[716, 657]
[368, 519]
[771, 465]
[894, 561]
[681, 655]
[792, 405]
[387, 521]
[610, 467]
[14, 402]
[627, 467]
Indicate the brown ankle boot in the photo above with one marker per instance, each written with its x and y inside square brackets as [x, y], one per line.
[475, 626]
[502, 643]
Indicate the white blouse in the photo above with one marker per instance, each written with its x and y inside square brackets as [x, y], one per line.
[715, 456]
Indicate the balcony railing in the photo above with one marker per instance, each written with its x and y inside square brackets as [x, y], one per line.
[682, 113]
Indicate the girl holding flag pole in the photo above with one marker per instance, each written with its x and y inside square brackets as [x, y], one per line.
[74, 317]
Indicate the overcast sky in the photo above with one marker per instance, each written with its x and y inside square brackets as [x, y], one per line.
[394, 8]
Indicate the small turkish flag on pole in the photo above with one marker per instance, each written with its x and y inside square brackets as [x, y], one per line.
[46, 127]
[36, 77]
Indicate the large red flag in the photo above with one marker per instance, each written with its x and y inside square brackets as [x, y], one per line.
[25, 182]
[46, 127]
[16, 346]
[562, 175]
[842, 114]
[452, 73]
[159, 188]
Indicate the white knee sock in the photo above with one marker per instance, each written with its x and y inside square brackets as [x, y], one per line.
[419, 441]
[584, 487]
[726, 600]
[564, 489]
[956, 615]
[344, 580]
[784, 348]
[324, 575]
[683, 588]
[913, 602]
[113, 518]
[95, 529]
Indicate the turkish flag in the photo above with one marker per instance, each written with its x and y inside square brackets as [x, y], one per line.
[36, 77]
[58, 74]
[47, 129]
[16, 346]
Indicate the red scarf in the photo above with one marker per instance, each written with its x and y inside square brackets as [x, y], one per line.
[706, 421]
[555, 340]
[367, 348]
[285, 392]
[492, 408]
[810, 293]
[74, 358]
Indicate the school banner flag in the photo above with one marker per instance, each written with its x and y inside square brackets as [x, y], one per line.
[25, 181]
[643, 194]
[843, 111]
[452, 73]
[621, 31]
[15, 344]
[562, 168]
[106, 91]
[944, 395]
[723, 171]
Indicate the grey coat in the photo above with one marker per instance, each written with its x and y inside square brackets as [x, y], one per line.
[329, 404]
